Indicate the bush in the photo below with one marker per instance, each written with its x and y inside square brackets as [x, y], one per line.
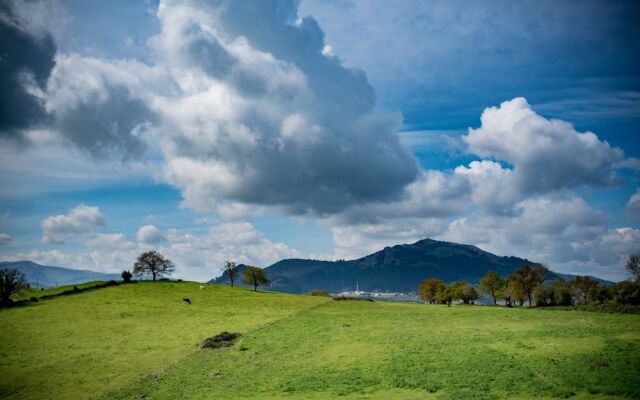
[322, 293]
[126, 276]
[223, 339]
[627, 292]
[344, 298]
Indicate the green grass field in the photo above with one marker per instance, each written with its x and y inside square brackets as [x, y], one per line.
[140, 342]
[84, 345]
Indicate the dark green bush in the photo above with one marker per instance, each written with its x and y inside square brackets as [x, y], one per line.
[322, 293]
[223, 339]
[345, 298]
[126, 276]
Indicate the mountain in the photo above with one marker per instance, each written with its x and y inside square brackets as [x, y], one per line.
[395, 269]
[47, 276]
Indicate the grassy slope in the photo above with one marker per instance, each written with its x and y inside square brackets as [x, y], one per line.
[404, 351]
[84, 345]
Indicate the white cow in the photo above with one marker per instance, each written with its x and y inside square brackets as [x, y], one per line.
[201, 287]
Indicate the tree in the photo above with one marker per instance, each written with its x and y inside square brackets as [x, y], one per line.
[230, 269]
[633, 266]
[584, 284]
[600, 294]
[465, 292]
[627, 292]
[255, 276]
[429, 288]
[444, 295]
[154, 263]
[562, 293]
[506, 293]
[516, 289]
[11, 282]
[528, 279]
[491, 284]
[126, 276]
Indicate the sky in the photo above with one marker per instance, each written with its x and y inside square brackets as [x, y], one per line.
[260, 130]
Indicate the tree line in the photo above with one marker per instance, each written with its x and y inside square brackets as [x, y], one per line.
[531, 284]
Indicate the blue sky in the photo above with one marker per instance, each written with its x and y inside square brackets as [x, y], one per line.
[256, 131]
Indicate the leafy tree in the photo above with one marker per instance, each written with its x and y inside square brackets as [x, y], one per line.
[429, 288]
[506, 293]
[600, 294]
[584, 284]
[11, 282]
[254, 276]
[633, 266]
[528, 279]
[627, 292]
[562, 293]
[516, 289]
[126, 276]
[230, 269]
[444, 295]
[544, 296]
[154, 263]
[465, 292]
[491, 284]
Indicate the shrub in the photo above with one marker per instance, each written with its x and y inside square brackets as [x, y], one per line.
[223, 339]
[322, 293]
[344, 298]
[126, 276]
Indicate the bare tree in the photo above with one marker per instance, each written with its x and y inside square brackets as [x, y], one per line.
[230, 269]
[154, 263]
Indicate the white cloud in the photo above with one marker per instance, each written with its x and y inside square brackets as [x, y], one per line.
[546, 155]
[245, 108]
[5, 239]
[562, 231]
[149, 234]
[633, 205]
[81, 220]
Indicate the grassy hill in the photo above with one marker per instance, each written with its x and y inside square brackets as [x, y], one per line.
[140, 342]
[85, 345]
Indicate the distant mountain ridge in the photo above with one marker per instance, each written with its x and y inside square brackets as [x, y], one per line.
[394, 269]
[48, 276]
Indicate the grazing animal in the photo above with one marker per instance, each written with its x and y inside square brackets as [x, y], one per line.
[201, 287]
[186, 301]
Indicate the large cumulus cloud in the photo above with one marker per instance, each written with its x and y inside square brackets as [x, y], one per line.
[263, 117]
[545, 154]
[245, 108]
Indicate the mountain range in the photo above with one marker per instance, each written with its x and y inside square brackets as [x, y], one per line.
[393, 269]
[48, 276]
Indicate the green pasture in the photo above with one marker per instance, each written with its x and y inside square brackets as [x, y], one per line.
[140, 341]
